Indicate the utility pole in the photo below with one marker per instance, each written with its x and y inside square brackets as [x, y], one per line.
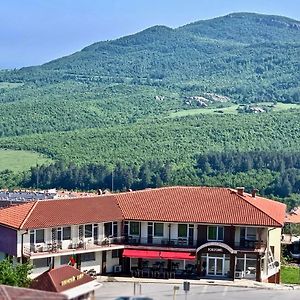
[37, 176]
[112, 180]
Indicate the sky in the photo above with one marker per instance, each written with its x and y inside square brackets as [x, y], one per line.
[33, 32]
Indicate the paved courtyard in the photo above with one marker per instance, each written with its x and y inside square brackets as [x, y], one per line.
[165, 291]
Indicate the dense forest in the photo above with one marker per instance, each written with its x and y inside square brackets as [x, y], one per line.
[276, 175]
[109, 115]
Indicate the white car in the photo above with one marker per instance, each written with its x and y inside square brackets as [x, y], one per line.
[134, 298]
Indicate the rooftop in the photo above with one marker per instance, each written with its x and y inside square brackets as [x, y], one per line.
[168, 204]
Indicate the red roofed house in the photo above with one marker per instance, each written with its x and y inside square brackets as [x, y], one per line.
[68, 281]
[166, 232]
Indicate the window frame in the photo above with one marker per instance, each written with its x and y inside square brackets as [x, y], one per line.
[68, 237]
[35, 236]
[134, 225]
[186, 231]
[217, 229]
[87, 258]
[85, 231]
[155, 233]
[250, 237]
[115, 253]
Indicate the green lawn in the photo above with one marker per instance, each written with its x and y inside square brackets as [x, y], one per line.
[290, 275]
[196, 111]
[18, 161]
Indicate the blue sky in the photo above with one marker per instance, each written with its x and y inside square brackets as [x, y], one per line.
[35, 31]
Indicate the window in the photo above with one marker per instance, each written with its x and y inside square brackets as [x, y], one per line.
[250, 233]
[134, 228]
[158, 229]
[42, 262]
[182, 230]
[88, 231]
[58, 233]
[31, 236]
[115, 229]
[247, 264]
[39, 236]
[115, 253]
[215, 233]
[66, 233]
[108, 229]
[64, 260]
[88, 256]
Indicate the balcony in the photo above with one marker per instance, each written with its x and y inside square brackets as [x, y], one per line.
[57, 249]
[251, 245]
[159, 241]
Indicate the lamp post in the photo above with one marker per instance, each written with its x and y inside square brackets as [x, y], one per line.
[175, 288]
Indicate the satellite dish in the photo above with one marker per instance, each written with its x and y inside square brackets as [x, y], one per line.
[276, 264]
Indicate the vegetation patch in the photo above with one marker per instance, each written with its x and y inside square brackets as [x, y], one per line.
[9, 85]
[290, 274]
[18, 161]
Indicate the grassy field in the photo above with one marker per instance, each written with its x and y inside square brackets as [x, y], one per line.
[19, 161]
[196, 111]
[230, 109]
[285, 106]
[9, 85]
[290, 275]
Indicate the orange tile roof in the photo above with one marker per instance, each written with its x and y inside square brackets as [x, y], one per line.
[51, 213]
[17, 293]
[169, 204]
[14, 215]
[200, 205]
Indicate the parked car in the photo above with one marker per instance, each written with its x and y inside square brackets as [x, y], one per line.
[134, 298]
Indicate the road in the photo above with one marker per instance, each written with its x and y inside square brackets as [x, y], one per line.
[159, 291]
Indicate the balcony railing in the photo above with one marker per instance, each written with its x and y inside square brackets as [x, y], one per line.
[72, 246]
[158, 241]
[253, 245]
[250, 245]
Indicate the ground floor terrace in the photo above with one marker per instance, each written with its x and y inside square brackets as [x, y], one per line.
[211, 260]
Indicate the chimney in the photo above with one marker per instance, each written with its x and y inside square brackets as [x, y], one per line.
[240, 191]
[254, 191]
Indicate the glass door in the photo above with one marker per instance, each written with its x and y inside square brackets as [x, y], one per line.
[211, 266]
[215, 266]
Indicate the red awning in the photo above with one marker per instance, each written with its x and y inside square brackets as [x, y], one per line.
[158, 254]
[177, 255]
[141, 253]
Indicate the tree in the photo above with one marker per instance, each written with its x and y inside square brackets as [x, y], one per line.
[14, 274]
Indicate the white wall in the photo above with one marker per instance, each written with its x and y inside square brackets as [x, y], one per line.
[110, 262]
[93, 264]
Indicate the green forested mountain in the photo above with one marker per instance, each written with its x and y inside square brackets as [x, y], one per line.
[114, 102]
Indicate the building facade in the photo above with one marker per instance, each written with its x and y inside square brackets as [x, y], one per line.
[182, 232]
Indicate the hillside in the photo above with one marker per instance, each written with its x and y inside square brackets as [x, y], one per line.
[144, 97]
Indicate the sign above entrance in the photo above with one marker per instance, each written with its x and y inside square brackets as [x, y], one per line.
[215, 249]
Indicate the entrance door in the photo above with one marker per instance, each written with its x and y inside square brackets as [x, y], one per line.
[215, 266]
